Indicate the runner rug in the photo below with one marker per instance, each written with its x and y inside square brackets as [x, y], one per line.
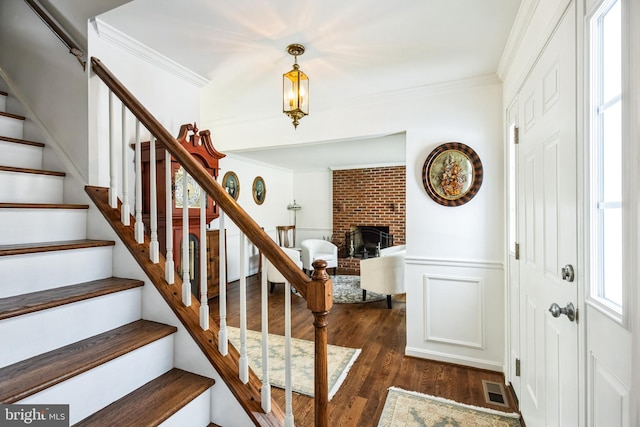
[408, 408]
[302, 353]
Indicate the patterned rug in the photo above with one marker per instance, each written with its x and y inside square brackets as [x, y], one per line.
[302, 352]
[408, 408]
[346, 290]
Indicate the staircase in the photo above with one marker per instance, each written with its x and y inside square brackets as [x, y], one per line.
[70, 332]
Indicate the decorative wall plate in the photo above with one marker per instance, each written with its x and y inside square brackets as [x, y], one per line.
[452, 174]
[231, 183]
[259, 190]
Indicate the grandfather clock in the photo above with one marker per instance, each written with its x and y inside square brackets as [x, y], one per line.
[199, 145]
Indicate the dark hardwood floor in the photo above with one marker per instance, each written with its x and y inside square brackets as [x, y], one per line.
[380, 333]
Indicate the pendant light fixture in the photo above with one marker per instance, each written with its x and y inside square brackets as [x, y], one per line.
[295, 88]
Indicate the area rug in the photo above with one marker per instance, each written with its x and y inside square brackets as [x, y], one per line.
[302, 353]
[408, 408]
[347, 290]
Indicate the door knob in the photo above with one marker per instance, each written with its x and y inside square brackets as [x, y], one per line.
[568, 273]
[569, 310]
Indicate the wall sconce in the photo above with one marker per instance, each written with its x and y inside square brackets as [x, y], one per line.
[295, 88]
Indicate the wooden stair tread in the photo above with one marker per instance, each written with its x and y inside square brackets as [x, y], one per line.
[29, 303]
[3, 93]
[152, 403]
[42, 206]
[21, 141]
[30, 248]
[31, 171]
[13, 116]
[30, 376]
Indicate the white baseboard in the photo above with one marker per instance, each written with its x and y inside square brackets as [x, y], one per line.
[450, 358]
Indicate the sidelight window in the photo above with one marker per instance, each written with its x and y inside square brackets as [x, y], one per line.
[606, 169]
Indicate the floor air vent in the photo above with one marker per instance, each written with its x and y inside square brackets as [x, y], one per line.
[494, 393]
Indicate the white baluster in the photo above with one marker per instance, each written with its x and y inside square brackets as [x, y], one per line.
[204, 303]
[113, 169]
[169, 266]
[288, 396]
[139, 226]
[154, 248]
[223, 336]
[184, 262]
[125, 211]
[244, 359]
[266, 385]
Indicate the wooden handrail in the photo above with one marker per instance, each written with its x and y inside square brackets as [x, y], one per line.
[57, 30]
[231, 208]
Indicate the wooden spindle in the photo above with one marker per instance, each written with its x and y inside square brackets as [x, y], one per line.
[113, 155]
[169, 266]
[244, 359]
[184, 261]
[266, 382]
[154, 247]
[288, 394]
[223, 336]
[139, 225]
[125, 209]
[204, 300]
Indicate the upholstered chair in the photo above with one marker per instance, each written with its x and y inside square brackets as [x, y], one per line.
[384, 274]
[273, 275]
[313, 249]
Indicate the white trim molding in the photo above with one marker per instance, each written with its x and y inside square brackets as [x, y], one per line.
[144, 52]
[457, 263]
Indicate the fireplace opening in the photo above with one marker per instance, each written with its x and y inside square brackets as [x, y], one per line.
[364, 241]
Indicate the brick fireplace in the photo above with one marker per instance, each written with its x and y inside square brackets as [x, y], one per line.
[368, 197]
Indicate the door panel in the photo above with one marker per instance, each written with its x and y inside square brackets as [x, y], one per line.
[547, 222]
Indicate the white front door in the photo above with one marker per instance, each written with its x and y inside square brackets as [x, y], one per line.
[547, 230]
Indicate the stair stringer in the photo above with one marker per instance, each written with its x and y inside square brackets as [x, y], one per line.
[162, 303]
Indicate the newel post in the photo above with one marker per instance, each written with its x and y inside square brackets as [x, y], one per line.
[320, 301]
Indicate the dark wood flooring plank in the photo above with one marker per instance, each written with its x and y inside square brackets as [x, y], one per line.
[30, 376]
[152, 403]
[42, 300]
[381, 334]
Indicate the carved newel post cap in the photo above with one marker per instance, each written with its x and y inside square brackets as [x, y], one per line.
[320, 289]
[319, 270]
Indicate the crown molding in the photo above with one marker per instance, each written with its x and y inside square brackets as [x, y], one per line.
[518, 30]
[118, 38]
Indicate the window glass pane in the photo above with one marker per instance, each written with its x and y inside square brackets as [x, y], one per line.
[612, 51]
[612, 255]
[612, 154]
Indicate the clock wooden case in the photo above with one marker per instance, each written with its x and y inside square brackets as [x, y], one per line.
[199, 145]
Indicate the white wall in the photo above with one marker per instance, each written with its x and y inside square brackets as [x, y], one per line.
[271, 213]
[464, 245]
[41, 73]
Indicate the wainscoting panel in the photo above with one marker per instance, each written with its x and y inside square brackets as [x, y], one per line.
[454, 310]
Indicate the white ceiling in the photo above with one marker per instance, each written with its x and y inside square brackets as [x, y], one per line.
[354, 48]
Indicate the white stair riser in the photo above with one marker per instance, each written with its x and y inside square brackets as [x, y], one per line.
[30, 188]
[20, 155]
[29, 335]
[42, 225]
[13, 128]
[97, 388]
[23, 274]
[3, 103]
[196, 413]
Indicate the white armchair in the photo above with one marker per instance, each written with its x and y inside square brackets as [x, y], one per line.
[273, 275]
[384, 274]
[313, 249]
